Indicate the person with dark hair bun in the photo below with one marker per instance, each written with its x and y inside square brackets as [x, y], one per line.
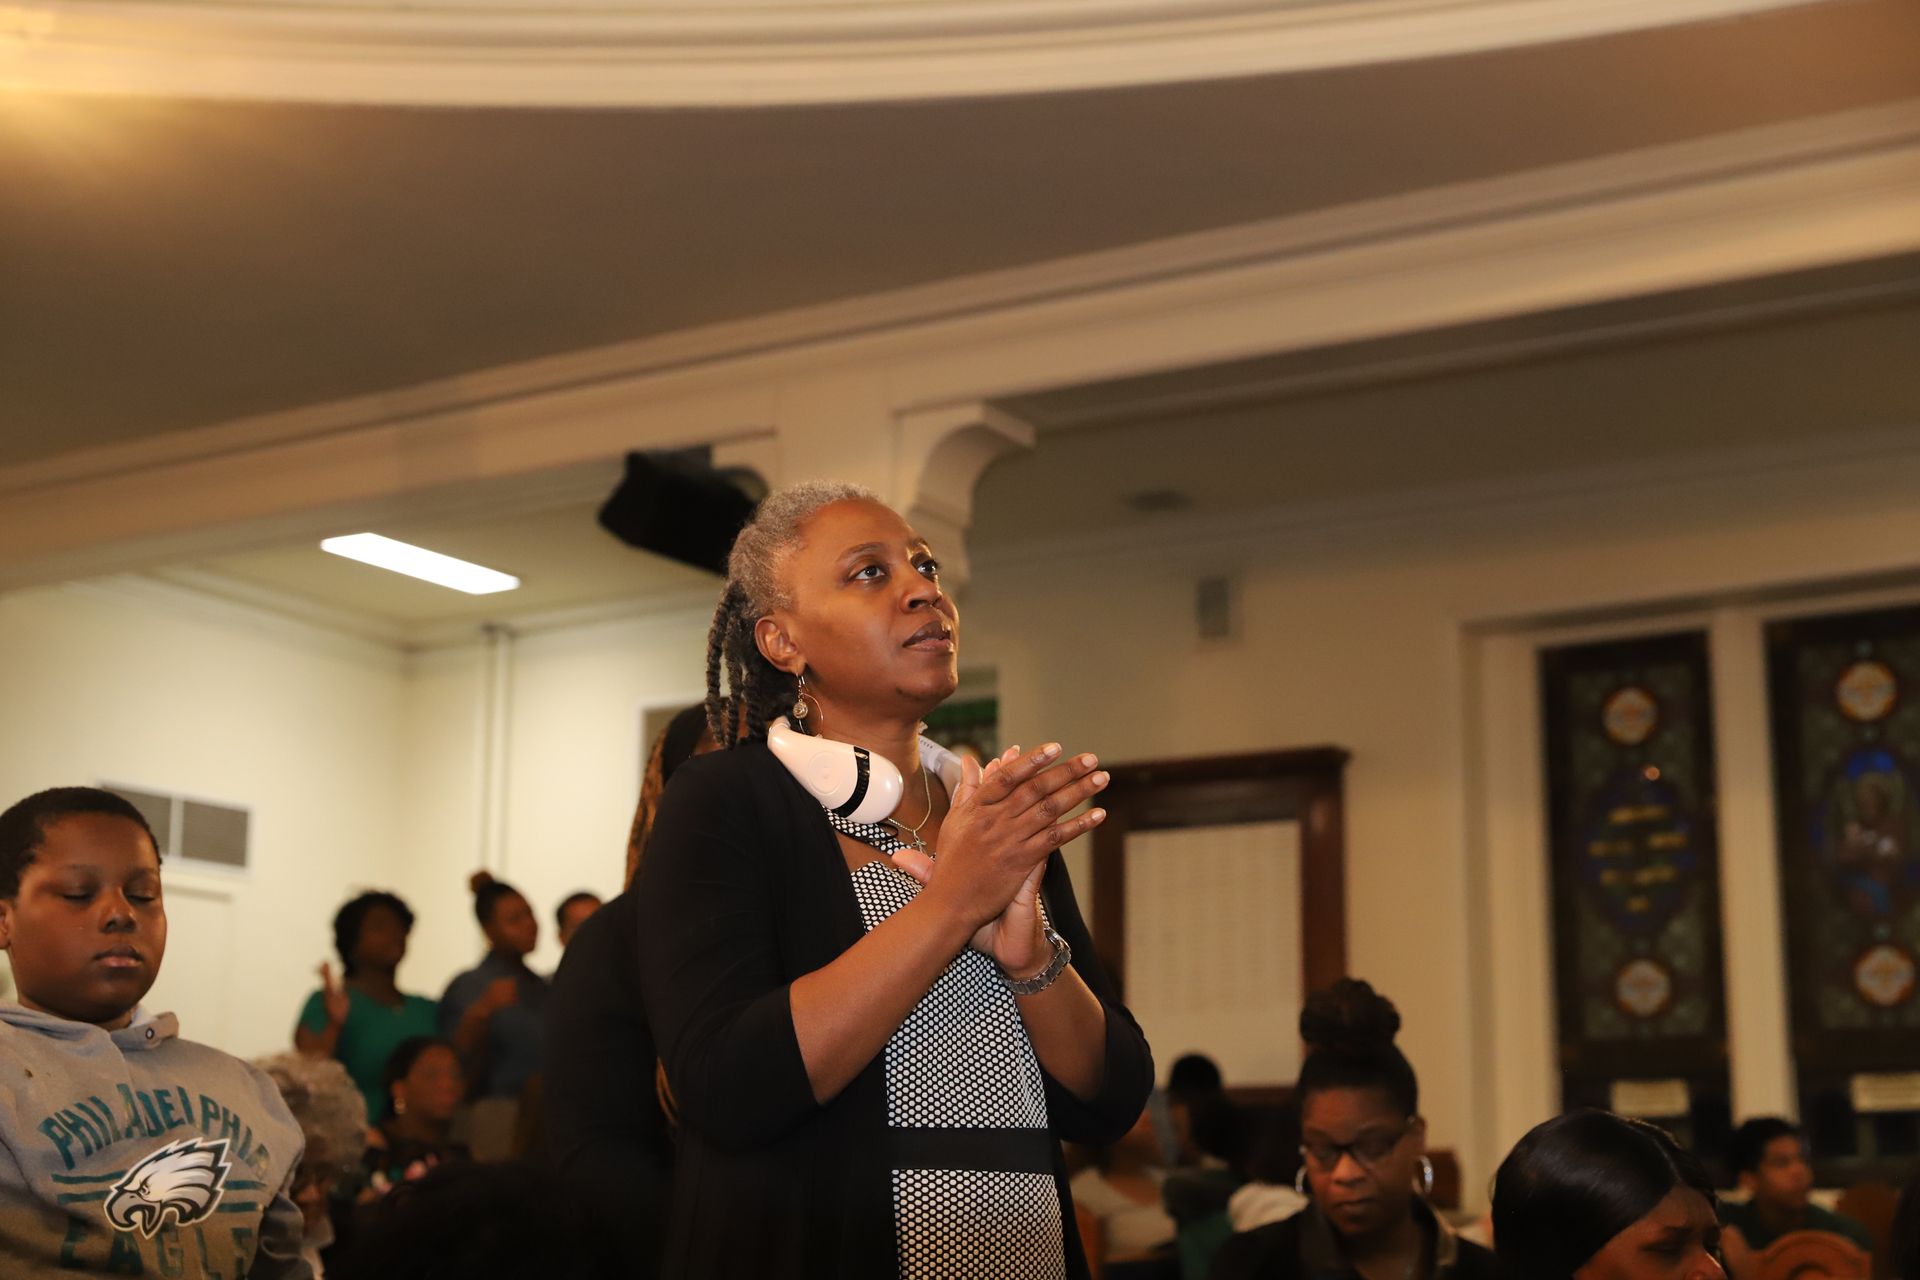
[360, 1017]
[1363, 1151]
[1595, 1196]
[492, 1012]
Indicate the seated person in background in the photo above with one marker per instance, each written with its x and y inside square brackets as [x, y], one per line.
[1270, 1195]
[1903, 1262]
[128, 1150]
[1769, 1156]
[1364, 1148]
[361, 1018]
[504, 1221]
[1121, 1187]
[1210, 1158]
[1594, 1196]
[493, 1012]
[573, 912]
[333, 1119]
[424, 1086]
[1193, 1081]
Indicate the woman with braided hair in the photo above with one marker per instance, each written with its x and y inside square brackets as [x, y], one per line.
[876, 1033]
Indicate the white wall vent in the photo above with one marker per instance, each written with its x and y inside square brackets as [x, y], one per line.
[192, 831]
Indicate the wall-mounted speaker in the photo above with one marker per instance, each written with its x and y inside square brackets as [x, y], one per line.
[676, 505]
[1213, 608]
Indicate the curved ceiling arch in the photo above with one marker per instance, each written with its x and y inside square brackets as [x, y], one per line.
[620, 53]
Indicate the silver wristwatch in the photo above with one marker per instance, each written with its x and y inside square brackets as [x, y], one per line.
[1062, 957]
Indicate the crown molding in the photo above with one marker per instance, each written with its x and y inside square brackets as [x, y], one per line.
[1394, 520]
[1809, 194]
[1412, 517]
[909, 320]
[473, 53]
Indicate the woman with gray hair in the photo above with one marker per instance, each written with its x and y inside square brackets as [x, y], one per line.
[877, 1019]
[332, 1115]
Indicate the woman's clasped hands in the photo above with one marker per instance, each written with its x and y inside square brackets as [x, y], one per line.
[1002, 823]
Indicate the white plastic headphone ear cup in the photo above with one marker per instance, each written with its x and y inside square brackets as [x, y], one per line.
[884, 787]
[831, 771]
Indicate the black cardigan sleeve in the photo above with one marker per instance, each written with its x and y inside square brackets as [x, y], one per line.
[1127, 1079]
[716, 994]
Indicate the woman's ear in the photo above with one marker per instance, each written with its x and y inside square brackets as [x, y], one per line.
[6, 923]
[777, 646]
[1418, 1131]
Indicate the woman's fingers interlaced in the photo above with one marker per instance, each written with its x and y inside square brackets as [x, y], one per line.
[1067, 831]
[1011, 773]
[1045, 797]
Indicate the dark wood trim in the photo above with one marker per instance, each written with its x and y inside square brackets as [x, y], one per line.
[1304, 785]
[1268, 1096]
[1293, 762]
[1323, 888]
[1108, 924]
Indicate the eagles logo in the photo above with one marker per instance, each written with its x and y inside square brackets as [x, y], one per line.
[183, 1180]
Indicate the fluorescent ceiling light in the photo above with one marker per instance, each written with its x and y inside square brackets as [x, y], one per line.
[418, 562]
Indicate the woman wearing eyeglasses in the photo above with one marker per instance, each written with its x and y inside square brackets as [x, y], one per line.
[1364, 1162]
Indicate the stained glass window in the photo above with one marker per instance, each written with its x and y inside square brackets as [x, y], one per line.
[1846, 731]
[1630, 775]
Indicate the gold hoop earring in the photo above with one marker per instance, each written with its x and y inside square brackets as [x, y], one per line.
[1425, 1185]
[800, 708]
[399, 1105]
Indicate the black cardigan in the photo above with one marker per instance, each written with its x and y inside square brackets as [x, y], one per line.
[1303, 1247]
[608, 1137]
[744, 889]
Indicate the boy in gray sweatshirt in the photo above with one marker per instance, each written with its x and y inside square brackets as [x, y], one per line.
[124, 1150]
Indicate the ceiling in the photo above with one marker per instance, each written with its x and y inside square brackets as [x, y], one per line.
[1479, 406]
[174, 264]
[1637, 404]
[562, 556]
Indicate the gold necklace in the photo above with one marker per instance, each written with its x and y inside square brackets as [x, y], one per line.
[913, 833]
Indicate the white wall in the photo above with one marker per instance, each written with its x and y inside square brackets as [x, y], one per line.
[573, 772]
[148, 687]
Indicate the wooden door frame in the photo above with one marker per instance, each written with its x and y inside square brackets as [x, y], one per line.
[1304, 784]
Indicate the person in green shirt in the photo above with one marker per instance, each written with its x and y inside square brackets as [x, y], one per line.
[363, 1017]
[1769, 1155]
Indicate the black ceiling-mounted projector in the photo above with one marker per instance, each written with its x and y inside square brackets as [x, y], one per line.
[676, 505]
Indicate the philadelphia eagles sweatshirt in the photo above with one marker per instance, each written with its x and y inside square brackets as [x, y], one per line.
[134, 1152]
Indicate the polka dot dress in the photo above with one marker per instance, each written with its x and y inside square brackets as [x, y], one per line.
[962, 1061]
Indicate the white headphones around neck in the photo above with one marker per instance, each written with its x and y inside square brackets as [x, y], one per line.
[848, 780]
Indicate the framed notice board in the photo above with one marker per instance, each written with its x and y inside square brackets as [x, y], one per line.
[1634, 856]
[1219, 901]
[1845, 706]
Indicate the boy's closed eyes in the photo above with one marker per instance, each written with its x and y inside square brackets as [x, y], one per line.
[86, 926]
